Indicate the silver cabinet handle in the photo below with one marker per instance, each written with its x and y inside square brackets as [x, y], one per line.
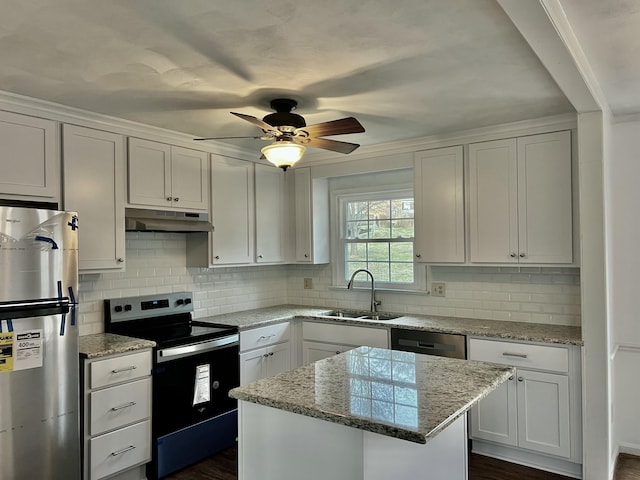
[217, 257]
[513, 255]
[124, 450]
[520, 379]
[121, 260]
[522, 255]
[271, 354]
[265, 355]
[511, 378]
[418, 255]
[306, 255]
[259, 256]
[177, 199]
[121, 407]
[337, 352]
[169, 199]
[266, 337]
[125, 369]
[510, 354]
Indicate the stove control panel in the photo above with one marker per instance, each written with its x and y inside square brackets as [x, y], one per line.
[132, 308]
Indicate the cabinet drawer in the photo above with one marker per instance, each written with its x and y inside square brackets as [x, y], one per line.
[120, 369]
[540, 357]
[121, 405]
[345, 334]
[119, 450]
[263, 336]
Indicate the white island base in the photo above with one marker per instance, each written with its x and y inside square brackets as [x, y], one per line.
[280, 445]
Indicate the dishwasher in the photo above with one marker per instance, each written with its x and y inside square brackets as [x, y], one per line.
[430, 343]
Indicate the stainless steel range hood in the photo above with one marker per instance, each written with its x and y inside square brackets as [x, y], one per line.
[140, 220]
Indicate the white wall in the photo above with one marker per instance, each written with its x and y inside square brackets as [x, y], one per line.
[623, 172]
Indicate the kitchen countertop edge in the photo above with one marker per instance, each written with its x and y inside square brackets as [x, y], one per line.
[104, 344]
[506, 330]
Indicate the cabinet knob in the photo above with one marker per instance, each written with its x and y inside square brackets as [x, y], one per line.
[121, 260]
[520, 379]
[177, 199]
[522, 255]
[169, 199]
[513, 255]
[271, 354]
[306, 255]
[217, 257]
[418, 255]
[259, 256]
[337, 352]
[265, 355]
[511, 378]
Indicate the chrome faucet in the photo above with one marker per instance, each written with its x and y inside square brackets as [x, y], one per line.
[374, 302]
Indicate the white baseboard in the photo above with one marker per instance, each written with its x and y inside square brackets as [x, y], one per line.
[630, 448]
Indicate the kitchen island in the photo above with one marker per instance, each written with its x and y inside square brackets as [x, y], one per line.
[366, 414]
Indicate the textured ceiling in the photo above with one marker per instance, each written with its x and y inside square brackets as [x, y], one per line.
[609, 33]
[405, 69]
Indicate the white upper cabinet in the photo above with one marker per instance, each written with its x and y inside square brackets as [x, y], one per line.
[167, 176]
[232, 211]
[311, 217]
[94, 178]
[520, 200]
[29, 158]
[270, 214]
[439, 205]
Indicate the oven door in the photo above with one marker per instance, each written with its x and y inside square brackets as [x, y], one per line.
[191, 383]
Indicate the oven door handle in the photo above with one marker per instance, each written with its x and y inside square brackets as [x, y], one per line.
[171, 353]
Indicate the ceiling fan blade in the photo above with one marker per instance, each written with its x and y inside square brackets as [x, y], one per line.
[326, 144]
[256, 121]
[334, 127]
[264, 137]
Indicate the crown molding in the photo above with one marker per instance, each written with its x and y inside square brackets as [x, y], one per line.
[566, 121]
[65, 114]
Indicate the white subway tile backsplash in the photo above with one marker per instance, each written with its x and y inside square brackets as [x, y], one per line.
[156, 263]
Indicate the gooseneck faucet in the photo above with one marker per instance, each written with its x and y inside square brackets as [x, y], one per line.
[374, 302]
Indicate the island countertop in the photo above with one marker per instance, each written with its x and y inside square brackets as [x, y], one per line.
[398, 394]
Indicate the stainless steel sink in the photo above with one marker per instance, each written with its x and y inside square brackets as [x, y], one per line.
[360, 315]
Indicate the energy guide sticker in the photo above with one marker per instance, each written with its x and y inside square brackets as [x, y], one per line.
[28, 349]
[202, 387]
[6, 352]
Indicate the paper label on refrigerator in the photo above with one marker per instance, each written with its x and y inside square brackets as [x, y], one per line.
[202, 390]
[6, 352]
[28, 349]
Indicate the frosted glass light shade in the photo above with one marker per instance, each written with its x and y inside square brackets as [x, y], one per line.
[283, 154]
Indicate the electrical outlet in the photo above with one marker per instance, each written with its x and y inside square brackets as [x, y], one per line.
[308, 283]
[438, 289]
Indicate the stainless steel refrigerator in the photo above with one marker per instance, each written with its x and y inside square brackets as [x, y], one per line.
[39, 420]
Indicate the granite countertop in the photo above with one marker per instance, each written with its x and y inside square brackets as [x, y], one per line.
[533, 332]
[102, 344]
[399, 394]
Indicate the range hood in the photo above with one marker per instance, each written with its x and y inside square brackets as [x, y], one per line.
[140, 220]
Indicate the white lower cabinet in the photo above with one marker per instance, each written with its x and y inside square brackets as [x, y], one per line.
[264, 352]
[535, 417]
[321, 340]
[116, 416]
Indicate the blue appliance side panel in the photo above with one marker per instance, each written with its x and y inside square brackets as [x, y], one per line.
[180, 449]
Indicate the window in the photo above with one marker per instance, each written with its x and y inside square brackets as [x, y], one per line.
[377, 233]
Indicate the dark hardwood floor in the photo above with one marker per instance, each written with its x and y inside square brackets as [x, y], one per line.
[627, 467]
[224, 467]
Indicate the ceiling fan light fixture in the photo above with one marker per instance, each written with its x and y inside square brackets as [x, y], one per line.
[283, 153]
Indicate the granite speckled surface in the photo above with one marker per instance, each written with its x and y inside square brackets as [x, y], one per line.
[398, 394]
[103, 344]
[532, 332]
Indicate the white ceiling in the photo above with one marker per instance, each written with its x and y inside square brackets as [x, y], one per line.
[405, 69]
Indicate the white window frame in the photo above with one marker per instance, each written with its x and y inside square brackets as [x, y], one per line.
[338, 200]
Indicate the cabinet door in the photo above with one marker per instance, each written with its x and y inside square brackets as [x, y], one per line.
[543, 412]
[304, 231]
[314, 351]
[493, 216]
[439, 205]
[189, 179]
[270, 214]
[279, 359]
[544, 198]
[93, 171]
[29, 157]
[232, 211]
[149, 173]
[495, 417]
[252, 365]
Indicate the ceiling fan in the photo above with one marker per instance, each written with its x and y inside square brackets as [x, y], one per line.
[290, 134]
